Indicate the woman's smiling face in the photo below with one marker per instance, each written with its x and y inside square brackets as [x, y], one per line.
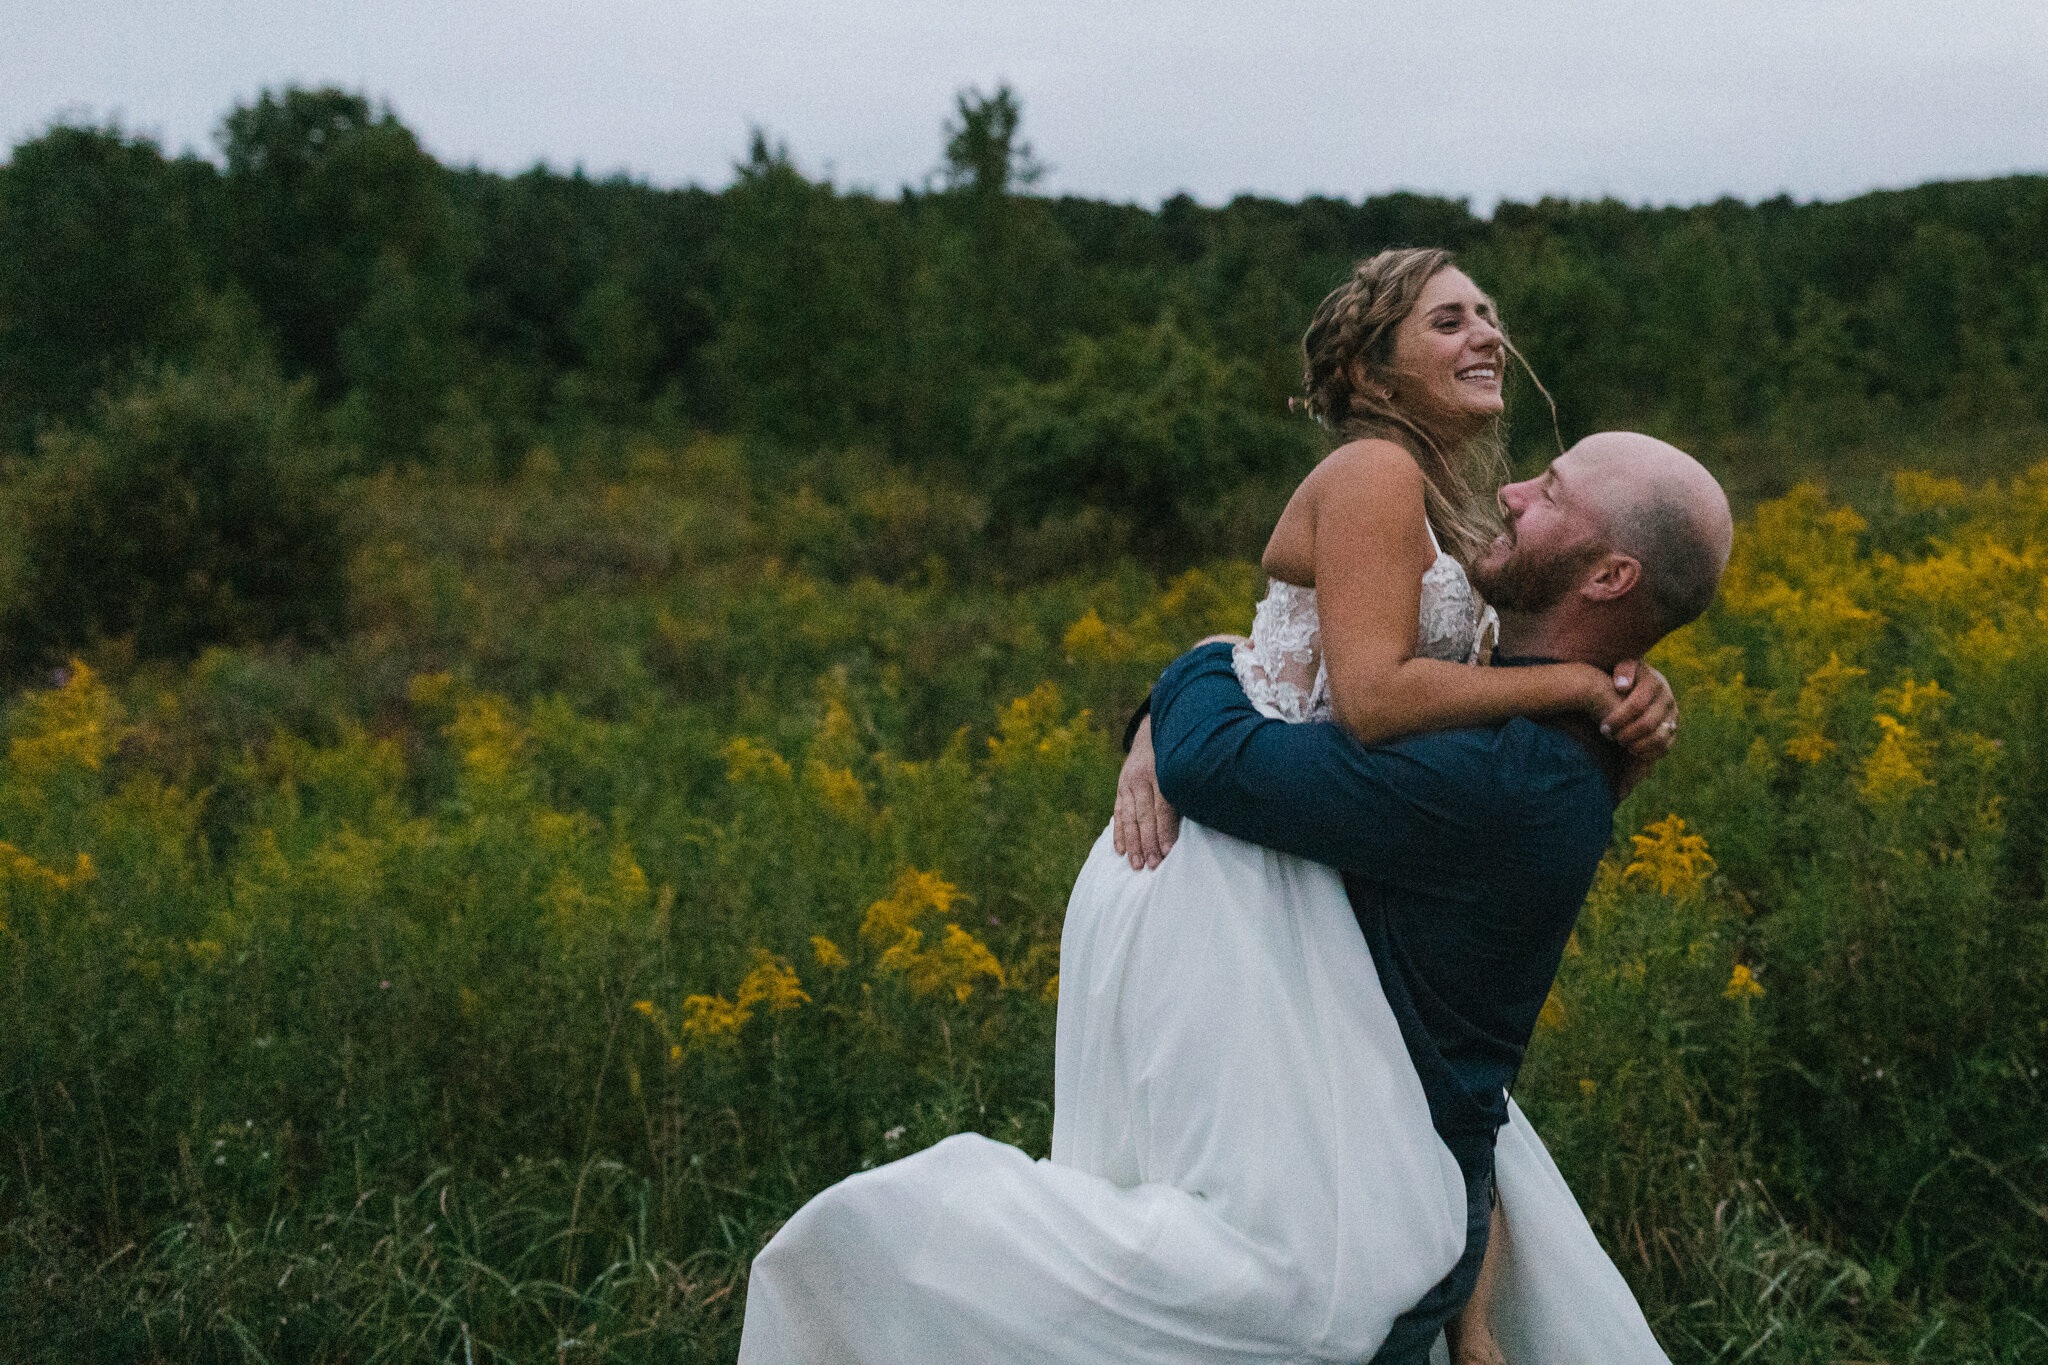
[1448, 357]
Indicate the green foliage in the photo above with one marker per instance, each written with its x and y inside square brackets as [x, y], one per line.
[983, 151]
[464, 319]
[1148, 422]
[193, 510]
[712, 697]
[642, 862]
[330, 209]
[98, 268]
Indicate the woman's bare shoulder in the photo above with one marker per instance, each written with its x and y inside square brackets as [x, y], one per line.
[1372, 465]
[1370, 472]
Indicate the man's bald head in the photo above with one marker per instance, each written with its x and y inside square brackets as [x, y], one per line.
[1659, 506]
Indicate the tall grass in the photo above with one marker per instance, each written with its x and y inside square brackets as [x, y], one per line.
[649, 856]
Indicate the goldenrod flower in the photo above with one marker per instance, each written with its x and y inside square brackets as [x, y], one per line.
[1027, 729]
[1908, 698]
[491, 740]
[746, 760]
[1092, 640]
[838, 790]
[955, 963]
[1809, 748]
[914, 894]
[773, 983]
[1742, 985]
[77, 724]
[18, 867]
[1675, 862]
[1915, 490]
[827, 952]
[1894, 768]
[709, 1019]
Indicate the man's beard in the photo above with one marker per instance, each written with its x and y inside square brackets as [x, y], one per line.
[1528, 584]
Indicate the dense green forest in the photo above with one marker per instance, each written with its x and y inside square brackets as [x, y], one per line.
[1044, 354]
[547, 720]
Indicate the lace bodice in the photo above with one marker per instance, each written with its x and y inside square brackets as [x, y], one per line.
[1281, 666]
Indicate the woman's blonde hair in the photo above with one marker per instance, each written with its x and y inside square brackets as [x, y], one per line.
[1352, 337]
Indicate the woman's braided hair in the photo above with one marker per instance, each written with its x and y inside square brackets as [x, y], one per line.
[1349, 345]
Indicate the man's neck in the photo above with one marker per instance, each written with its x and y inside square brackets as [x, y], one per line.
[1554, 634]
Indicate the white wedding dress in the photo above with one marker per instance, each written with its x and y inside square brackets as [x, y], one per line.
[1243, 1167]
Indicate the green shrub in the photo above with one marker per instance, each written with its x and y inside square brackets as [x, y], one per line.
[1148, 423]
[191, 511]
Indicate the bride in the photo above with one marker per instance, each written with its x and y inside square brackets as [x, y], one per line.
[1246, 1163]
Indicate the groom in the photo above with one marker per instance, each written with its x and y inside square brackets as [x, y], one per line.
[1466, 853]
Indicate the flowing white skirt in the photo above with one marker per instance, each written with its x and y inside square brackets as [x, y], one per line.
[1243, 1167]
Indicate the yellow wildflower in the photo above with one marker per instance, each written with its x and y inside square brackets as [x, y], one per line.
[1909, 697]
[914, 894]
[1027, 729]
[711, 1019]
[1895, 767]
[1588, 1087]
[1801, 566]
[746, 760]
[956, 962]
[773, 983]
[628, 881]
[1551, 1018]
[1093, 640]
[491, 740]
[1666, 857]
[645, 1007]
[77, 724]
[1809, 748]
[838, 790]
[827, 952]
[1824, 687]
[1988, 646]
[18, 867]
[836, 741]
[1915, 490]
[1742, 985]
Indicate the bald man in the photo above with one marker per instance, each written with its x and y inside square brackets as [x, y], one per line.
[1467, 853]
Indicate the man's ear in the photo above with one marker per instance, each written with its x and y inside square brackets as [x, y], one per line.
[1614, 576]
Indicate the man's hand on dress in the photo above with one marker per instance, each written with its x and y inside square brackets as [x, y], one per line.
[1145, 824]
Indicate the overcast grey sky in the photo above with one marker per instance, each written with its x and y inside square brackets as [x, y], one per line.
[1650, 101]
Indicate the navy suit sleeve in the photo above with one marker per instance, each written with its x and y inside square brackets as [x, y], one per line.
[1308, 789]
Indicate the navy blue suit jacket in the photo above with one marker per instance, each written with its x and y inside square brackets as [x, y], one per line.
[1466, 853]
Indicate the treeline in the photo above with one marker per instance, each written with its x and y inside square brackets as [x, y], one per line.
[1047, 356]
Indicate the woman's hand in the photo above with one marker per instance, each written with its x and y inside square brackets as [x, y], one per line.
[1644, 720]
[1145, 825]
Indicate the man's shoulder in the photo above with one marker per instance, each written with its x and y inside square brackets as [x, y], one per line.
[1514, 757]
